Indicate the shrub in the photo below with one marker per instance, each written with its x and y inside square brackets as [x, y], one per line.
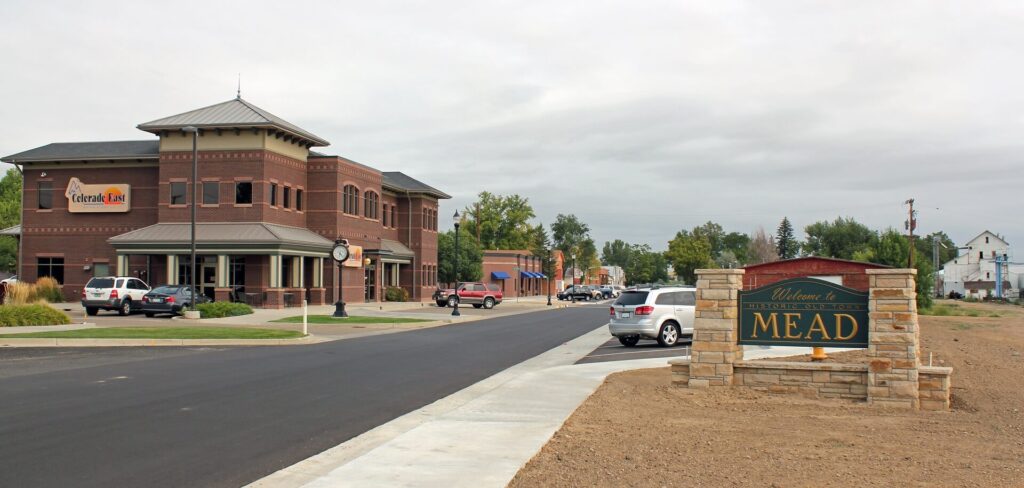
[216, 310]
[396, 294]
[47, 288]
[34, 314]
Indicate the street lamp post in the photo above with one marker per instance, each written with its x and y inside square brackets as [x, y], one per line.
[547, 262]
[194, 185]
[340, 253]
[572, 289]
[455, 310]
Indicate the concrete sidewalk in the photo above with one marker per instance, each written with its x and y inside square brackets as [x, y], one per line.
[478, 437]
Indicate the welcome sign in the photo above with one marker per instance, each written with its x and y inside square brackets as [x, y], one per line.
[804, 312]
[84, 198]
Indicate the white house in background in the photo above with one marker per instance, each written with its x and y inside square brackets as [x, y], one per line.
[973, 273]
[616, 276]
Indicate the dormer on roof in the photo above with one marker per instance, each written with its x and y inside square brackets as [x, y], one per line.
[231, 125]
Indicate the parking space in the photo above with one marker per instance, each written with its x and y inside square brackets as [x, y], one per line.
[613, 351]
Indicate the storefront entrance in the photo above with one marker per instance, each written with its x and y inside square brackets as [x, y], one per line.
[370, 278]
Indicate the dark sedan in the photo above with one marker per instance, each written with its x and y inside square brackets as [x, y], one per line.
[170, 299]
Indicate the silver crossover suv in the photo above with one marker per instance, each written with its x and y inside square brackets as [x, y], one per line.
[662, 314]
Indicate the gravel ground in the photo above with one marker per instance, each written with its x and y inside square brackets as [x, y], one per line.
[637, 430]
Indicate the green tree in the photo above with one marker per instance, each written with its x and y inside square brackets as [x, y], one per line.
[738, 244]
[10, 214]
[645, 266]
[838, 239]
[500, 222]
[785, 244]
[947, 249]
[892, 249]
[616, 253]
[471, 258]
[542, 248]
[569, 234]
[587, 259]
[687, 253]
[714, 234]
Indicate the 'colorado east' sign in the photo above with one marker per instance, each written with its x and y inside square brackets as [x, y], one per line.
[804, 312]
[84, 198]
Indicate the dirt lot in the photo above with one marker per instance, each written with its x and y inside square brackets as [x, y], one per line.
[637, 430]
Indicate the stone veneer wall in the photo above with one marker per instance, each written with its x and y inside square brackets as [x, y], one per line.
[822, 380]
[893, 376]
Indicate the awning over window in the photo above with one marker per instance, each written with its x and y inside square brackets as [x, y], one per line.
[532, 274]
[499, 275]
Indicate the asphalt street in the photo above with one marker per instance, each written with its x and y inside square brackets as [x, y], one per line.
[229, 416]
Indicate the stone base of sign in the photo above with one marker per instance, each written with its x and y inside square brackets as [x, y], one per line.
[822, 380]
[714, 347]
[892, 377]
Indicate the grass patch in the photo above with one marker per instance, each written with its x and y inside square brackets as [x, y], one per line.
[164, 333]
[352, 319]
[35, 314]
[953, 310]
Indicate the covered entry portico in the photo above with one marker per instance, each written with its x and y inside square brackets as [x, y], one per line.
[263, 264]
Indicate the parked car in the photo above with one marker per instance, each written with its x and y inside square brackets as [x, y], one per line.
[595, 292]
[9, 281]
[611, 291]
[171, 299]
[476, 294]
[662, 314]
[121, 293]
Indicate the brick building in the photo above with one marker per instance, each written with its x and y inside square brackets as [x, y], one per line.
[839, 271]
[518, 273]
[269, 210]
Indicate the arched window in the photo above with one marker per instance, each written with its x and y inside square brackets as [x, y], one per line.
[350, 200]
[371, 204]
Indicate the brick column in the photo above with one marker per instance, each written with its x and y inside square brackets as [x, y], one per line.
[893, 338]
[715, 328]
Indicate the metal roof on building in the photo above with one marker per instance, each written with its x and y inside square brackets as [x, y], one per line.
[396, 180]
[88, 151]
[235, 113]
[224, 233]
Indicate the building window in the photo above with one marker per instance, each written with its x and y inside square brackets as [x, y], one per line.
[981, 254]
[286, 272]
[384, 215]
[350, 200]
[287, 200]
[986, 239]
[273, 194]
[298, 199]
[370, 208]
[394, 217]
[178, 192]
[100, 269]
[52, 267]
[45, 195]
[243, 193]
[211, 192]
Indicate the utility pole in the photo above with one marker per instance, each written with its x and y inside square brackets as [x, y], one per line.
[911, 224]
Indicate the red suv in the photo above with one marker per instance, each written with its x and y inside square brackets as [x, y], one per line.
[476, 294]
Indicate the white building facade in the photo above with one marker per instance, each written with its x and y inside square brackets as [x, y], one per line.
[973, 273]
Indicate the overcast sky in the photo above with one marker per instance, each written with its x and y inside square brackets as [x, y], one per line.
[642, 118]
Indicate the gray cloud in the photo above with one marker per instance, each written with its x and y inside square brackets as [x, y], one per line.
[641, 118]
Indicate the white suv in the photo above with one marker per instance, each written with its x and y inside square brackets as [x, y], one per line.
[662, 314]
[121, 293]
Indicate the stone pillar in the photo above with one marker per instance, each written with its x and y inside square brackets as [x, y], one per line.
[223, 271]
[716, 328]
[172, 269]
[318, 272]
[122, 265]
[893, 338]
[298, 274]
[275, 272]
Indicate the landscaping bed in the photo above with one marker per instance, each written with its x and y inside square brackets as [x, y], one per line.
[352, 319]
[637, 430]
[161, 333]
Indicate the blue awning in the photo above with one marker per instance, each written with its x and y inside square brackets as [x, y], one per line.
[527, 274]
[499, 275]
